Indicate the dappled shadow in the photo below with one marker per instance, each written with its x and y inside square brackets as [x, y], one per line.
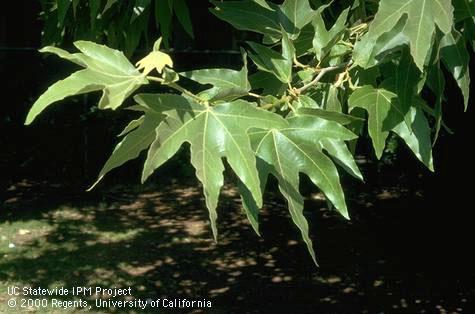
[157, 240]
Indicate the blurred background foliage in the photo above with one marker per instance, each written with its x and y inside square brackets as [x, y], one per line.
[124, 25]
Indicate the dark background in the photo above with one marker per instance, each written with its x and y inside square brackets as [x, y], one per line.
[429, 239]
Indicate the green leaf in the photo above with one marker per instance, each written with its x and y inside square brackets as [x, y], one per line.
[227, 84]
[377, 102]
[422, 18]
[63, 7]
[303, 43]
[249, 205]
[464, 10]
[417, 137]
[183, 15]
[94, 7]
[338, 117]
[140, 7]
[297, 13]
[370, 51]
[249, 16]
[77, 58]
[407, 77]
[266, 81]
[106, 69]
[285, 152]
[132, 144]
[436, 82]
[342, 155]
[108, 5]
[132, 126]
[163, 18]
[332, 102]
[455, 57]
[273, 62]
[213, 132]
[325, 39]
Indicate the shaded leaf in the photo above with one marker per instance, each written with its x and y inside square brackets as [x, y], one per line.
[455, 56]
[273, 62]
[183, 15]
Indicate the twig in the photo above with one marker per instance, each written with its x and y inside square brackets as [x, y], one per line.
[178, 88]
[322, 72]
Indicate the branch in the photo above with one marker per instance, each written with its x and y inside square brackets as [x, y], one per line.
[322, 72]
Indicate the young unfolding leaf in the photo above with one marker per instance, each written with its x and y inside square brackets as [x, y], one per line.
[214, 133]
[155, 60]
[106, 69]
[422, 18]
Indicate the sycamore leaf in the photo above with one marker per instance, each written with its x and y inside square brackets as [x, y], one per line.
[132, 126]
[273, 62]
[213, 133]
[132, 144]
[342, 155]
[369, 51]
[297, 14]
[377, 102]
[264, 17]
[106, 69]
[436, 82]
[455, 57]
[324, 39]
[227, 84]
[385, 114]
[422, 18]
[266, 81]
[285, 152]
[249, 16]
[406, 78]
[417, 136]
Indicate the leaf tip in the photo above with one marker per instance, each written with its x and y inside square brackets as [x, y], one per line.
[95, 184]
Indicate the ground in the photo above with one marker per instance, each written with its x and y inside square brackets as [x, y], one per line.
[156, 239]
